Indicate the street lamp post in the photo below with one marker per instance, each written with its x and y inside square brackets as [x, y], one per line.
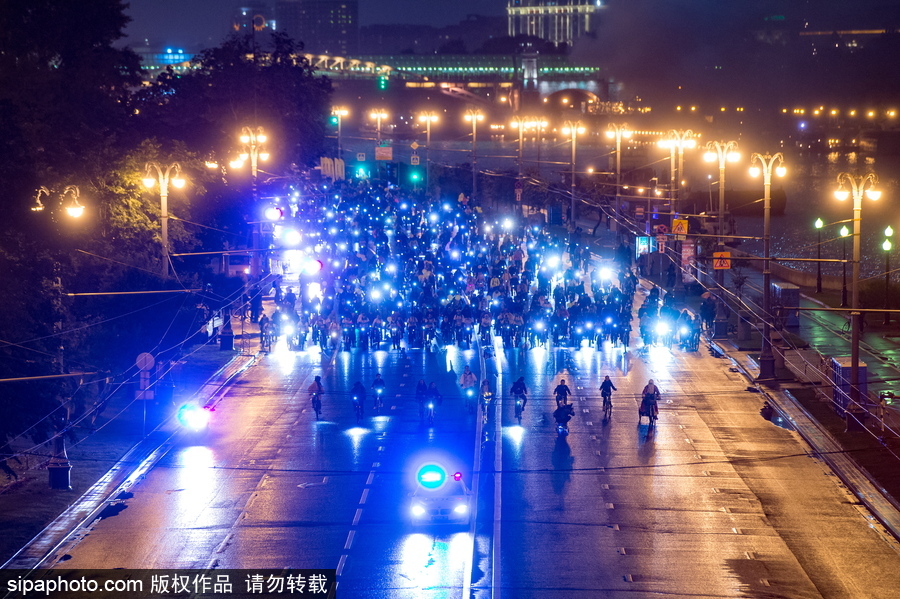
[859, 186]
[378, 114]
[427, 118]
[573, 128]
[819, 224]
[473, 116]
[844, 233]
[886, 246]
[618, 132]
[723, 151]
[340, 113]
[768, 163]
[253, 139]
[171, 173]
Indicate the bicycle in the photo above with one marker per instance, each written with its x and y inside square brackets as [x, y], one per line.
[607, 406]
[519, 409]
[316, 401]
[379, 403]
[358, 408]
[429, 413]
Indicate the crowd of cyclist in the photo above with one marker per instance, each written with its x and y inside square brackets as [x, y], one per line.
[403, 272]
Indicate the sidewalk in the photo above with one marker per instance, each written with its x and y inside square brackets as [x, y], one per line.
[36, 518]
[801, 393]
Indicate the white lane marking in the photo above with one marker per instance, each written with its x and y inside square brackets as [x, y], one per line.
[356, 516]
[350, 536]
[340, 566]
[365, 495]
[371, 478]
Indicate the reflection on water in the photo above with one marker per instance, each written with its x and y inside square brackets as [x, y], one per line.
[433, 562]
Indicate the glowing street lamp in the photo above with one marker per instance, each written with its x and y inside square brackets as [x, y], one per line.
[428, 118]
[378, 115]
[677, 140]
[573, 128]
[768, 164]
[886, 246]
[473, 116]
[859, 186]
[618, 132]
[844, 232]
[153, 174]
[819, 224]
[723, 151]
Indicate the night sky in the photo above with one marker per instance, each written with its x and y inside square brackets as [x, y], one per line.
[204, 22]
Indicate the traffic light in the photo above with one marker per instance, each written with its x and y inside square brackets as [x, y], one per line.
[334, 120]
[382, 82]
[415, 176]
[431, 476]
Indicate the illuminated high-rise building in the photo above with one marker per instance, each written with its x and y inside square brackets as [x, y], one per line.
[557, 21]
[324, 26]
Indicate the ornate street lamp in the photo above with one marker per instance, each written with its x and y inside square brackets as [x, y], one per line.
[859, 186]
[618, 132]
[378, 115]
[254, 149]
[886, 246]
[428, 118]
[819, 224]
[153, 174]
[473, 116]
[573, 128]
[723, 151]
[768, 163]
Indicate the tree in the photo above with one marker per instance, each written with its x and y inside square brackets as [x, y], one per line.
[233, 86]
[63, 91]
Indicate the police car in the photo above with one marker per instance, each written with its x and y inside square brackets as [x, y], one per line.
[439, 498]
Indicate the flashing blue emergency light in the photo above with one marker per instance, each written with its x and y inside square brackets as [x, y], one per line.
[431, 476]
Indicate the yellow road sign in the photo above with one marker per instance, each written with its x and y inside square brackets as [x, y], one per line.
[679, 227]
[721, 260]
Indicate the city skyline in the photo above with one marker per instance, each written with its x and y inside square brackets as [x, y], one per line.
[204, 23]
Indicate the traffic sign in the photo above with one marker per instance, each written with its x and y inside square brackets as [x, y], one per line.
[518, 184]
[639, 211]
[361, 156]
[414, 160]
[384, 153]
[661, 243]
[414, 146]
[721, 260]
[518, 195]
[679, 226]
[662, 229]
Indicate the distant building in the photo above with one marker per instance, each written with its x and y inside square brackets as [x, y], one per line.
[252, 17]
[557, 21]
[156, 60]
[324, 26]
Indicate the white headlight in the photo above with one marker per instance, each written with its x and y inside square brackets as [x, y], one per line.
[462, 508]
[418, 510]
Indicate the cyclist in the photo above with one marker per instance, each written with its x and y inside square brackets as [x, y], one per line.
[358, 395]
[562, 393]
[467, 379]
[316, 389]
[649, 407]
[606, 389]
[421, 393]
[520, 390]
[378, 386]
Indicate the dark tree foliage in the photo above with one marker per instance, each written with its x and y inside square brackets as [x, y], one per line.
[63, 91]
[243, 84]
